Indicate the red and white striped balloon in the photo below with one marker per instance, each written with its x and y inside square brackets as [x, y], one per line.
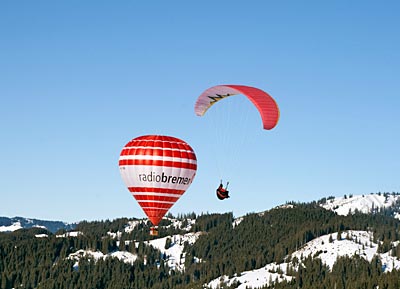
[157, 170]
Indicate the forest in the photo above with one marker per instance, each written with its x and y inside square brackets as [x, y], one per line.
[27, 261]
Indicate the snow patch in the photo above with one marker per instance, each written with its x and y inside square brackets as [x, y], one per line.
[329, 248]
[15, 226]
[362, 203]
[174, 254]
[70, 234]
[123, 256]
[131, 226]
[257, 278]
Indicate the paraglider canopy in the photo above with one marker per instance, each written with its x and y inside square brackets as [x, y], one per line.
[264, 103]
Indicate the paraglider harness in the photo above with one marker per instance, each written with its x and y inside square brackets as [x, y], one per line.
[223, 193]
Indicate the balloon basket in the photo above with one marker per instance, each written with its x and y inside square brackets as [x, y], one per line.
[153, 231]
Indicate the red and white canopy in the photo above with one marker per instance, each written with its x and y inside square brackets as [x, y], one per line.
[265, 104]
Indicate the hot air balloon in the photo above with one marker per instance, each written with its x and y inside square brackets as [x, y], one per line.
[157, 170]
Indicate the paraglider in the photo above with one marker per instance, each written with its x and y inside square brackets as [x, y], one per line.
[157, 170]
[223, 193]
[265, 104]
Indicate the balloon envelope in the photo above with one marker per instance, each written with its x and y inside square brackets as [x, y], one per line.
[157, 170]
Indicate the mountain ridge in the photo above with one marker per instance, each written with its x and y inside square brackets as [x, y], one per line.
[368, 203]
[8, 224]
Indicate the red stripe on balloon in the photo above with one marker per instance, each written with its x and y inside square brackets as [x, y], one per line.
[154, 205]
[158, 152]
[157, 197]
[150, 198]
[155, 190]
[158, 163]
[159, 143]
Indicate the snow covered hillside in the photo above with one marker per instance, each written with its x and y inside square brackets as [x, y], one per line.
[328, 248]
[174, 255]
[361, 203]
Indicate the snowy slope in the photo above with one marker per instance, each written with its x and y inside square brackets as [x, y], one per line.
[351, 243]
[123, 256]
[362, 203]
[11, 227]
[175, 257]
[328, 248]
[253, 279]
[174, 254]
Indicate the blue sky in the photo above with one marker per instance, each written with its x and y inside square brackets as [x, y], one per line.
[79, 79]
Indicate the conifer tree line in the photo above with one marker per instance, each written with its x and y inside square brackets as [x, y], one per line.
[27, 261]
